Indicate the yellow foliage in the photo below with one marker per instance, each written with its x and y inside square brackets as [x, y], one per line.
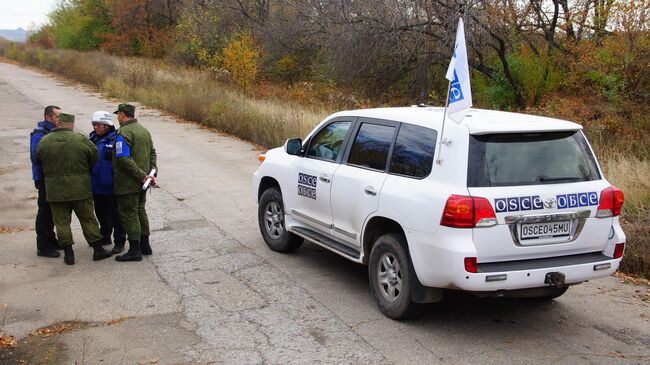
[240, 58]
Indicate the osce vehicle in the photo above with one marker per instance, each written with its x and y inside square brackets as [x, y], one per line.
[503, 204]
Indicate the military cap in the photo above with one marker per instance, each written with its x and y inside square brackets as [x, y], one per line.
[66, 118]
[125, 108]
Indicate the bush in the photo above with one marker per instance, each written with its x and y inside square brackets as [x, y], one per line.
[240, 58]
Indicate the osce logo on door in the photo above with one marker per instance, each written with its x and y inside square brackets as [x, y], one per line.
[562, 201]
[307, 185]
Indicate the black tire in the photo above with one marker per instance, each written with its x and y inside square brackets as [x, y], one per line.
[270, 217]
[394, 293]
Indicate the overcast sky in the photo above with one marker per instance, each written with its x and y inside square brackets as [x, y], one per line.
[24, 13]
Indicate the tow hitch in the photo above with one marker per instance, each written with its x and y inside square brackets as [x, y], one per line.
[555, 279]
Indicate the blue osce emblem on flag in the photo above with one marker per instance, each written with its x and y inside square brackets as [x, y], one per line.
[455, 92]
[460, 91]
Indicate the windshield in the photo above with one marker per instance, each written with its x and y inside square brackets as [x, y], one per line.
[529, 159]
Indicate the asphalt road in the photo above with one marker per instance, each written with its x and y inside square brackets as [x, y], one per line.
[212, 292]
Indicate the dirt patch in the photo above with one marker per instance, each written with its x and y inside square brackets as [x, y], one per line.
[42, 345]
[35, 350]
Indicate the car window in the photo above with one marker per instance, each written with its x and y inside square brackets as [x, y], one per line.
[371, 146]
[413, 152]
[530, 159]
[326, 144]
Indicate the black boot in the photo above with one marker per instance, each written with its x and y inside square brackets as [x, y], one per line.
[68, 255]
[99, 252]
[145, 247]
[133, 254]
[119, 247]
[48, 253]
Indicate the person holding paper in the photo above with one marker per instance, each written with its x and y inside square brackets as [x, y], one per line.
[134, 157]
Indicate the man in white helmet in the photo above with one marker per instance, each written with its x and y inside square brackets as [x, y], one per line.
[103, 136]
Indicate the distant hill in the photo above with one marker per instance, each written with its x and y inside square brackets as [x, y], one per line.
[16, 35]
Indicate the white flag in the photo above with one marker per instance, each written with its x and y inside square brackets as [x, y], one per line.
[460, 93]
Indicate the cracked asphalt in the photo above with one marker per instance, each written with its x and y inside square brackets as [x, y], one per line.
[213, 293]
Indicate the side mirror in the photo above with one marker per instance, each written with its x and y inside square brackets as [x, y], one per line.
[293, 146]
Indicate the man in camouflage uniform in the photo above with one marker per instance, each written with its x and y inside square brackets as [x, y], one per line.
[135, 156]
[66, 158]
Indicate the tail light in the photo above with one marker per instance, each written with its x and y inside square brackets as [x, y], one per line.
[468, 212]
[618, 250]
[471, 265]
[611, 201]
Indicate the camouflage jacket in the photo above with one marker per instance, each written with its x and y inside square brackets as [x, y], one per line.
[66, 158]
[135, 156]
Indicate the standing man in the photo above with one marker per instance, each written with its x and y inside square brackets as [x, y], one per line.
[46, 242]
[103, 136]
[135, 156]
[67, 158]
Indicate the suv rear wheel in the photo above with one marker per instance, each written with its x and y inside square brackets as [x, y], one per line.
[391, 276]
[270, 217]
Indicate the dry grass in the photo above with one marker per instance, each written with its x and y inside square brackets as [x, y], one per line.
[197, 96]
[630, 174]
[186, 92]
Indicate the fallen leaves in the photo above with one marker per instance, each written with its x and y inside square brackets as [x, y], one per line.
[625, 278]
[68, 326]
[7, 341]
[118, 320]
[57, 328]
[5, 230]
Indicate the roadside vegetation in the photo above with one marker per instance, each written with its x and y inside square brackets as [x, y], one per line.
[265, 71]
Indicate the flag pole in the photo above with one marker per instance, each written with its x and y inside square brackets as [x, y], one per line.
[442, 130]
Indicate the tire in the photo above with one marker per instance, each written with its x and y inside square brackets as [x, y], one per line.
[270, 217]
[392, 276]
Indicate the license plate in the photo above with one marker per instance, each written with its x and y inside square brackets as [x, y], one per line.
[531, 231]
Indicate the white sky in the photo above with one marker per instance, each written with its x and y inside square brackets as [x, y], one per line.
[24, 13]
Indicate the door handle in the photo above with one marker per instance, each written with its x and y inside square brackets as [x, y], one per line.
[324, 179]
[370, 190]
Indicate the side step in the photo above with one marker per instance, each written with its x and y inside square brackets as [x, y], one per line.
[330, 243]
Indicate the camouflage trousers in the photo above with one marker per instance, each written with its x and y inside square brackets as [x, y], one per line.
[131, 209]
[84, 210]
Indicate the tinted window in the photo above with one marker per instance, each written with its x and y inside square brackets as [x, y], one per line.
[326, 144]
[413, 152]
[530, 159]
[371, 146]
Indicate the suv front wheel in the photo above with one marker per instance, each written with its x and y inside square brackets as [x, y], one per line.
[391, 276]
[270, 217]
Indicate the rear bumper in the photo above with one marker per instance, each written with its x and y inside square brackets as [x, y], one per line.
[441, 265]
[534, 277]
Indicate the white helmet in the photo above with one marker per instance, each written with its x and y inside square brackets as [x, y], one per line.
[102, 117]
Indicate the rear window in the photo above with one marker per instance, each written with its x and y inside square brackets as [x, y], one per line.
[529, 159]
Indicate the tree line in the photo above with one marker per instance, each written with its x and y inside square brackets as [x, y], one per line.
[520, 51]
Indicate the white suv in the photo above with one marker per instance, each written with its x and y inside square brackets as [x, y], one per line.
[506, 204]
